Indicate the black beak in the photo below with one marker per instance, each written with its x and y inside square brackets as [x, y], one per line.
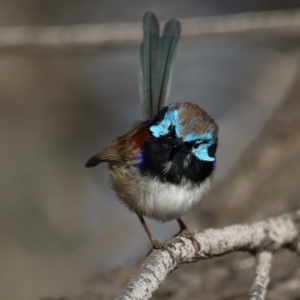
[177, 143]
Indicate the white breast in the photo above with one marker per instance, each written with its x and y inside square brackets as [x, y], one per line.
[165, 201]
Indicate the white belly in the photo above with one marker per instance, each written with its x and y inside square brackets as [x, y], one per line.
[165, 201]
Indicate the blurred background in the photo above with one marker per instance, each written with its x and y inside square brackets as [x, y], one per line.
[60, 224]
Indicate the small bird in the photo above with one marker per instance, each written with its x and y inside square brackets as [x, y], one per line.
[162, 167]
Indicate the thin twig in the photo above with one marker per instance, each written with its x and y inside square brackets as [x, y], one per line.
[106, 35]
[259, 287]
[268, 235]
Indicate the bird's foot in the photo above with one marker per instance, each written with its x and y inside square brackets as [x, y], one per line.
[162, 246]
[186, 234]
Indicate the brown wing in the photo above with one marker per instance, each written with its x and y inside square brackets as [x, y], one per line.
[124, 148]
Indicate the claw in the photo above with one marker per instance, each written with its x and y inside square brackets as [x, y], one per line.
[185, 233]
[163, 246]
[155, 243]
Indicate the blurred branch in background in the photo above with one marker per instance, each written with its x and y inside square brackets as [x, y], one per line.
[52, 110]
[74, 37]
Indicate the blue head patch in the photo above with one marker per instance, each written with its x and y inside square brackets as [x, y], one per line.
[163, 128]
[202, 140]
[202, 144]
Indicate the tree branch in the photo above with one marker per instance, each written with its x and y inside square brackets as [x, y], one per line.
[106, 35]
[268, 235]
[259, 288]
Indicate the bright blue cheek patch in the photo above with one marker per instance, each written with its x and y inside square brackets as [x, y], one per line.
[202, 153]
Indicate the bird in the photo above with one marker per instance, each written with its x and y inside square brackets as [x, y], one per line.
[164, 166]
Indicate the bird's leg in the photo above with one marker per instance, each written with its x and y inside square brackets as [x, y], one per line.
[184, 232]
[182, 226]
[154, 242]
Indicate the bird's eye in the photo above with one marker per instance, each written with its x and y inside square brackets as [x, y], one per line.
[197, 144]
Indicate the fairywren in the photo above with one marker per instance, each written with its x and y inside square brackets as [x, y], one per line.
[162, 167]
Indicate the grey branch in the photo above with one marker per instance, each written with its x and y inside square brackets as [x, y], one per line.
[106, 35]
[259, 288]
[264, 236]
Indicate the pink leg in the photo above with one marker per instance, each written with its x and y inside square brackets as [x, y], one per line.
[154, 242]
[184, 232]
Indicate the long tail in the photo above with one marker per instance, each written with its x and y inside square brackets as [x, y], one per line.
[157, 60]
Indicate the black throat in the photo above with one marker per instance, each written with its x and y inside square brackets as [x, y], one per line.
[173, 165]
